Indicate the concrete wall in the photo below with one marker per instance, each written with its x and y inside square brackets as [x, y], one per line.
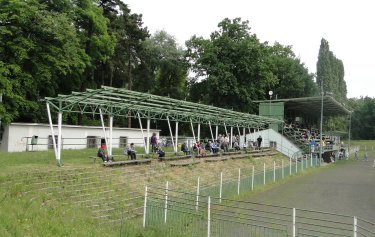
[17, 136]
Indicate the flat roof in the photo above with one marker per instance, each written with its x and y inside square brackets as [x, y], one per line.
[311, 106]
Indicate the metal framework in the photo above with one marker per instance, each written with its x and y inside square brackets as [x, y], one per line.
[116, 102]
[122, 102]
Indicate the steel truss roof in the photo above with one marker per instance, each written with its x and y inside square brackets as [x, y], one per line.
[121, 102]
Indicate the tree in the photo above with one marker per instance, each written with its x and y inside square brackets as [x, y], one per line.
[38, 46]
[233, 68]
[363, 118]
[166, 66]
[330, 72]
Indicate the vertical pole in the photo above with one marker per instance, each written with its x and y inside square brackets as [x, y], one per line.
[103, 127]
[296, 165]
[282, 169]
[252, 180]
[355, 227]
[231, 137]
[264, 173]
[274, 171]
[143, 135]
[166, 203]
[170, 131]
[290, 166]
[216, 132]
[52, 131]
[145, 208]
[239, 135]
[244, 136]
[59, 120]
[212, 135]
[311, 158]
[197, 201]
[192, 129]
[209, 217]
[221, 186]
[294, 222]
[226, 131]
[302, 163]
[239, 181]
[321, 126]
[176, 143]
[110, 135]
[148, 136]
[350, 130]
[199, 131]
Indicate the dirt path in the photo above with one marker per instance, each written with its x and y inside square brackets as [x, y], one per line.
[345, 187]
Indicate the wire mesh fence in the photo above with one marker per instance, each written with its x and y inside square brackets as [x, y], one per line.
[209, 211]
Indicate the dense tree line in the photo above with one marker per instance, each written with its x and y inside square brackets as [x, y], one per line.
[49, 47]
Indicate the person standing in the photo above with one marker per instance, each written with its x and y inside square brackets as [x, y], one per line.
[259, 139]
[365, 158]
[154, 142]
[356, 155]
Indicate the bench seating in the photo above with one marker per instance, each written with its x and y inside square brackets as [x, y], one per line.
[176, 158]
[184, 163]
[240, 157]
[208, 155]
[126, 162]
[231, 153]
[216, 159]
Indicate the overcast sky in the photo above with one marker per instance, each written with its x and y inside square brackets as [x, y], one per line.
[347, 25]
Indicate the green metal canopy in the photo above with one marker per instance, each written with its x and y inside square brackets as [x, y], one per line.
[311, 106]
[121, 102]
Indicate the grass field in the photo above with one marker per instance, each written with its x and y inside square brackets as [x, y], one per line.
[82, 198]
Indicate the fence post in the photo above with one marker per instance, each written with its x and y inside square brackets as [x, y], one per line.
[239, 181]
[282, 169]
[264, 173]
[311, 158]
[355, 227]
[209, 217]
[274, 171]
[252, 180]
[294, 222]
[166, 202]
[290, 166]
[197, 202]
[145, 208]
[221, 186]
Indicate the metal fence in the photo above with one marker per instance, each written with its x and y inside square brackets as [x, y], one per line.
[208, 211]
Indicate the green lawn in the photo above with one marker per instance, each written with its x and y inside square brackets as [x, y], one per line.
[31, 205]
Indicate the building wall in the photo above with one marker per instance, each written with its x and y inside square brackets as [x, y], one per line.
[17, 136]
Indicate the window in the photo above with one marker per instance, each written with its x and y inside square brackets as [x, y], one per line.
[92, 141]
[50, 141]
[123, 141]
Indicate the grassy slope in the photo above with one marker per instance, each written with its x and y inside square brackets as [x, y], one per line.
[28, 211]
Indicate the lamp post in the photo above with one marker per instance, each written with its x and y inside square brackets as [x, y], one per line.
[321, 125]
[270, 93]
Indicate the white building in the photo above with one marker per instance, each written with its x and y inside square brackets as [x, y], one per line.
[34, 136]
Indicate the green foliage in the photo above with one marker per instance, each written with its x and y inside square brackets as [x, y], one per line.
[330, 72]
[232, 68]
[363, 118]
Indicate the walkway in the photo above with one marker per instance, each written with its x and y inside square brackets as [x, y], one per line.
[345, 187]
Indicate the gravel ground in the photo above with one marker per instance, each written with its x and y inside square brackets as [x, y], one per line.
[345, 187]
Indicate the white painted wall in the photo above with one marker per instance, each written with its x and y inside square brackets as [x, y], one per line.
[283, 144]
[17, 135]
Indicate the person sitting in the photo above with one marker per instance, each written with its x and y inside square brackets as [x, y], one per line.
[202, 152]
[161, 153]
[130, 151]
[184, 149]
[102, 153]
[208, 146]
[236, 146]
[214, 147]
